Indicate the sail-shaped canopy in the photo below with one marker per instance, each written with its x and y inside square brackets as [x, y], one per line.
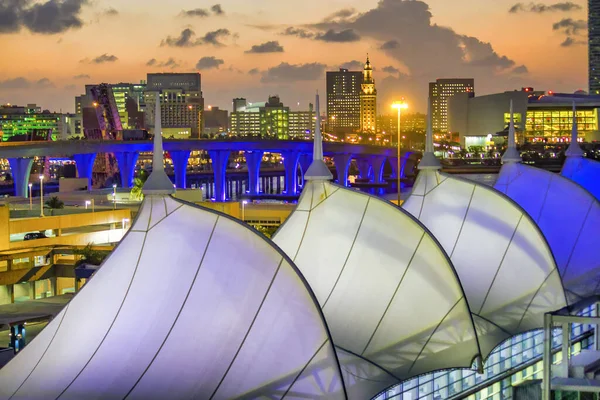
[190, 305]
[567, 214]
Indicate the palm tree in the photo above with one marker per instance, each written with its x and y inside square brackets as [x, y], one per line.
[54, 203]
[90, 256]
[138, 184]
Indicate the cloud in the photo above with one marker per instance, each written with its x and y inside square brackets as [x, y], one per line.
[389, 45]
[23, 83]
[299, 32]
[285, 73]
[346, 35]
[50, 17]
[353, 65]
[542, 8]
[111, 12]
[391, 70]
[570, 42]
[70, 87]
[570, 26]
[104, 58]
[267, 47]
[342, 14]
[187, 38]
[197, 12]
[209, 63]
[82, 76]
[520, 70]
[217, 9]
[254, 71]
[170, 63]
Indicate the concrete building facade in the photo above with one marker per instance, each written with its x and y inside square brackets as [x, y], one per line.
[439, 93]
[344, 101]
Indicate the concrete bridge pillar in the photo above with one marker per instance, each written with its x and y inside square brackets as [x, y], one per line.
[21, 169]
[253, 160]
[305, 161]
[85, 166]
[364, 167]
[219, 159]
[180, 163]
[342, 166]
[126, 162]
[290, 162]
[378, 162]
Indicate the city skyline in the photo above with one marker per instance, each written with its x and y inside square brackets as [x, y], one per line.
[258, 49]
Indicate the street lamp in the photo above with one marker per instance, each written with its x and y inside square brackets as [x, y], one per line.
[87, 203]
[124, 222]
[114, 196]
[244, 210]
[30, 197]
[399, 105]
[41, 195]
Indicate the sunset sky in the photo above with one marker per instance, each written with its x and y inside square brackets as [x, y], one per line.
[51, 49]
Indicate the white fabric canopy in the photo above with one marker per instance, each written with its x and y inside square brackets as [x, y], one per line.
[190, 305]
[585, 172]
[568, 216]
[503, 261]
[389, 293]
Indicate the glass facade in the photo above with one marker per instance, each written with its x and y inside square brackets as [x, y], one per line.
[274, 123]
[594, 45]
[558, 124]
[22, 121]
[520, 355]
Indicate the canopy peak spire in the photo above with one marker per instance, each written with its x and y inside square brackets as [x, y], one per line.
[429, 160]
[511, 155]
[318, 170]
[574, 149]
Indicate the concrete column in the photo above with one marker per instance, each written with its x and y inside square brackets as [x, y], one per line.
[85, 166]
[32, 290]
[290, 162]
[378, 162]
[219, 158]
[53, 286]
[126, 161]
[180, 163]
[342, 166]
[253, 160]
[364, 167]
[305, 161]
[21, 169]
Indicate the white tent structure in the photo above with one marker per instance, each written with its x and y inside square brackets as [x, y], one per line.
[502, 259]
[191, 305]
[389, 293]
[582, 170]
[567, 214]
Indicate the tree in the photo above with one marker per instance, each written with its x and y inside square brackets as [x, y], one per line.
[90, 256]
[138, 184]
[54, 203]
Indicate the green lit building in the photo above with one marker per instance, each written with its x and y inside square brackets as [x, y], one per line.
[30, 122]
[269, 120]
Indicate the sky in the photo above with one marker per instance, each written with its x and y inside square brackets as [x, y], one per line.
[256, 48]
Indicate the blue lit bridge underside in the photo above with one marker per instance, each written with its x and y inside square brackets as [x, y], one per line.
[370, 159]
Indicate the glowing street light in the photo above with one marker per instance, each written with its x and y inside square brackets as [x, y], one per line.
[114, 195]
[30, 197]
[244, 209]
[124, 223]
[399, 106]
[41, 195]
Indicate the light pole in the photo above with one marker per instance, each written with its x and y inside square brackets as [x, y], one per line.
[244, 210]
[114, 196]
[30, 197]
[41, 195]
[399, 105]
[87, 203]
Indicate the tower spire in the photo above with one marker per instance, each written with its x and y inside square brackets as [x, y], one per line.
[318, 170]
[574, 149]
[429, 160]
[158, 182]
[511, 155]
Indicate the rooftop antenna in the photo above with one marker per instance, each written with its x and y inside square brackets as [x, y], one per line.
[429, 160]
[574, 149]
[158, 182]
[318, 170]
[511, 155]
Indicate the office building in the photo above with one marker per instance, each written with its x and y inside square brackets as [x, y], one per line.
[302, 124]
[182, 104]
[344, 101]
[368, 101]
[538, 116]
[268, 119]
[24, 123]
[594, 45]
[439, 92]
[216, 122]
[130, 103]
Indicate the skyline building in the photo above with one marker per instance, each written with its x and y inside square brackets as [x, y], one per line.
[439, 93]
[368, 101]
[594, 46]
[182, 104]
[216, 121]
[30, 122]
[344, 100]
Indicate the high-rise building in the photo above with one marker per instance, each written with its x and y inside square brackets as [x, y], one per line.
[129, 99]
[439, 92]
[302, 124]
[594, 45]
[368, 101]
[23, 123]
[268, 119]
[182, 105]
[216, 121]
[343, 101]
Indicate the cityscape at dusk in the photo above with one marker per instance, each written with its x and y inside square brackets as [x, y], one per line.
[260, 48]
[319, 200]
